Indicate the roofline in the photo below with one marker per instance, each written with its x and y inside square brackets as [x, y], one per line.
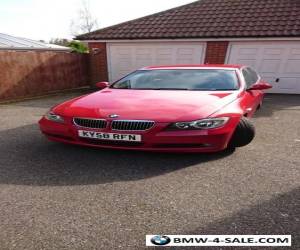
[26, 43]
[190, 67]
[95, 36]
[195, 39]
[40, 49]
[133, 20]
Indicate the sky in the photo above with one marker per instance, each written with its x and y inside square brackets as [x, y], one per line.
[44, 19]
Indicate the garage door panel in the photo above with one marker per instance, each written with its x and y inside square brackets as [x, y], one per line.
[124, 58]
[292, 66]
[164, 52]
[143, 57]
[248, 62]
[294, 53]
[186, 51]
[185, 56]
[162, 56]
[269, 66]
[184, 61]
[273, 52]
[248, 52]
[288, 83]
[124, 66]
[273, 60]
[268, 79]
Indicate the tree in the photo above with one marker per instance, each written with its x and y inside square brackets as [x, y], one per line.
[85, 21]
[59, 41]
[77, 46]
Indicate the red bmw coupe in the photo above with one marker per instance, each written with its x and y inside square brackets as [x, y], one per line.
[182, 108]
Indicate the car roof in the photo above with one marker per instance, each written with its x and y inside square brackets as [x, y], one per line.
[195, 66]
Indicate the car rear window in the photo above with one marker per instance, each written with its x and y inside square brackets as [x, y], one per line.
[185, 79]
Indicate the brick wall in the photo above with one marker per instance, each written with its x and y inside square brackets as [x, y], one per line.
[216, 52]
[97, 63]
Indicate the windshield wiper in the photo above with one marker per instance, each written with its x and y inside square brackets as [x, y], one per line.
[212, 89]
[223, 89]
[164, 88]
[178, 89]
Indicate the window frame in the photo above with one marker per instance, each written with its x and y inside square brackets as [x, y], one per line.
[249, 72]
[238, 77]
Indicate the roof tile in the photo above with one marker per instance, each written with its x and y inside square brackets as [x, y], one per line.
[211, 18]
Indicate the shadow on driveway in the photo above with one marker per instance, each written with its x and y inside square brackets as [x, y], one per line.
[27, 158]
[277, 102]
[280, 215]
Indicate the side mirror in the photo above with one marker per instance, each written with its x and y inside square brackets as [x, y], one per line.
[102, 85]
[260, 86]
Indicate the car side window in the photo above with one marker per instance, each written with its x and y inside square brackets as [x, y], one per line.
[250, 76]
[254, 75]
[247, 77]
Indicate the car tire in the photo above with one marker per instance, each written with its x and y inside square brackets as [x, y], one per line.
[243, 134]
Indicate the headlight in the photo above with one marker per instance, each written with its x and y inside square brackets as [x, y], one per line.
[208, 123]
[53, 117]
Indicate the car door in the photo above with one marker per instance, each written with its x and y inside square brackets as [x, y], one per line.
[253, 98]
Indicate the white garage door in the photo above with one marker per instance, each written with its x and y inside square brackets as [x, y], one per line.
[124, 58]
[278, 62]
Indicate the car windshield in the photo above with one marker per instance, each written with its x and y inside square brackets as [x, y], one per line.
[180, 79]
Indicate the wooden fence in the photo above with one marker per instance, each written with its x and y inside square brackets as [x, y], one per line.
[32, 73]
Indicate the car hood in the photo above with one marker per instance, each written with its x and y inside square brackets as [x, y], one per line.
[157, 105]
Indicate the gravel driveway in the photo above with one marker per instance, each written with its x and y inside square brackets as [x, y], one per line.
[55, 196]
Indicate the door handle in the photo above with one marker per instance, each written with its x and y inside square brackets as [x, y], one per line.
[277, 80]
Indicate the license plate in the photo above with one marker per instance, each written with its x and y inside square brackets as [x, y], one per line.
[109, 136]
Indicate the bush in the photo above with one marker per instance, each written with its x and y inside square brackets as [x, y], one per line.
[78, 47]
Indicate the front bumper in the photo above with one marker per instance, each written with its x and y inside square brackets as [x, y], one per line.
[155, 139]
